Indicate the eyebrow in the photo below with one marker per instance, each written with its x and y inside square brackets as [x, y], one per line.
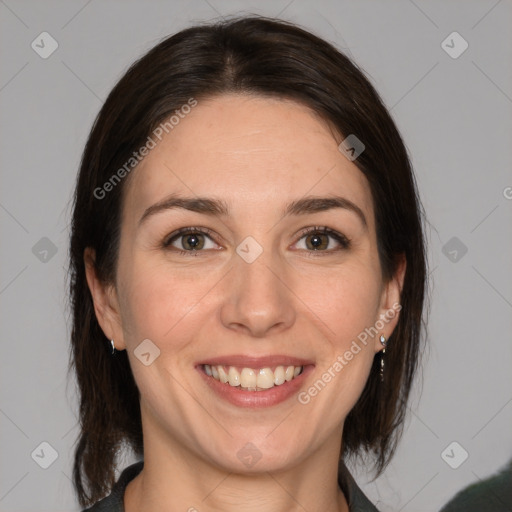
[194, 204]
[217, 207]
[312, 204]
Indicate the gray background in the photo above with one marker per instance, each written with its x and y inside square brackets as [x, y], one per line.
[455, 116]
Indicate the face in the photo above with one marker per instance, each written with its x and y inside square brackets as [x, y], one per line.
[248, 254]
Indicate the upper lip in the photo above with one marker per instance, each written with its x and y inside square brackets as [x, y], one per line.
[247, 361]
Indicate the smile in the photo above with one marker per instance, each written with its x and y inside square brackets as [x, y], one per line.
[253, 379]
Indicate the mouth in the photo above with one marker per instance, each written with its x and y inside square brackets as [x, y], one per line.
[253, 379]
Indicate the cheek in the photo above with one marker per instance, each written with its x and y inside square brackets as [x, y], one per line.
[158, 302]
[347, 307]
[346, 300]
[345, 364]
[161, 307]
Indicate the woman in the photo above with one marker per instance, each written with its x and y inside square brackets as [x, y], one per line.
[247, 277]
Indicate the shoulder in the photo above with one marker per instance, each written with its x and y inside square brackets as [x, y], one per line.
[114, 501]
[356, 499]
[487, 495]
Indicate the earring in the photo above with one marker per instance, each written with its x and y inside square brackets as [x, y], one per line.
[383, 341]
[113, 347]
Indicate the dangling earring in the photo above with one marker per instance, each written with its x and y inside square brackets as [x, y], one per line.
[113, 347]
[383, 341]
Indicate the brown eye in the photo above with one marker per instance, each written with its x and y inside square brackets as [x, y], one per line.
[317, 241]
[190, 240]
[322, 239]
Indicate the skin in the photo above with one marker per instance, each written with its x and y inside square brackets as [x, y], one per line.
[258, 155]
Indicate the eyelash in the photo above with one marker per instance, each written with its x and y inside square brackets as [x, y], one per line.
[183, 232]
[324, 230]
[340, 238]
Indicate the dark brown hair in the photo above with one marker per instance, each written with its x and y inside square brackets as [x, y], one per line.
[264, 57]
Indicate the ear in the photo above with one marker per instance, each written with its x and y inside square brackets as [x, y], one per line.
[390, 306]
[105, 301]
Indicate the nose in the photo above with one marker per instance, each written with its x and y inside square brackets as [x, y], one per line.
[258, 300]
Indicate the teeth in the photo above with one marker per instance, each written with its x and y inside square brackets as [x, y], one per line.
[234, 377]
[253, 380]
[248, 378]
[223, 376]
[279, 377]
[265, 378]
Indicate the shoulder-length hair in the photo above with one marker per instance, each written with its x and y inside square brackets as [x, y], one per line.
[265, 57]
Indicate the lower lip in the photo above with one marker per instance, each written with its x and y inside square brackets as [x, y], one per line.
[256, 399]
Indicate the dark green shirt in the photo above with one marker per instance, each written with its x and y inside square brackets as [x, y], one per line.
[357, 501]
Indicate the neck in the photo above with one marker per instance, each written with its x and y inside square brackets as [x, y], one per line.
[177, 479]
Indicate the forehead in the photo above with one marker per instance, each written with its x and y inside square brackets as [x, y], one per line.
[247, 150]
